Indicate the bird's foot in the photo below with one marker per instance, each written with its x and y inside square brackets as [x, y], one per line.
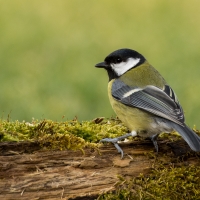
[115, 140]
[154, 140]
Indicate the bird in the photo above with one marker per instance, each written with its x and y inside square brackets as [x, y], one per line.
[143, 100]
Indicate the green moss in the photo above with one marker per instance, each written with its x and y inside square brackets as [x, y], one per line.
[15, 131]
[62, 135]
[162, 183]
[70, 134]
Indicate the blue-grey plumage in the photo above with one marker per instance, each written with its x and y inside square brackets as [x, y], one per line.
[143, 100]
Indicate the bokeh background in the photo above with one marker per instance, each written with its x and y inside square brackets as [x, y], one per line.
[48, 50]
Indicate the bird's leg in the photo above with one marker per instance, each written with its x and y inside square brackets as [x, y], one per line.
[154, 140]
[115, 140]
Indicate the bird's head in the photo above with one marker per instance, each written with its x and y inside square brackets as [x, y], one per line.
[120, 61]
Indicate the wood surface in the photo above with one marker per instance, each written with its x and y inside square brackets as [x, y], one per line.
[29, 172]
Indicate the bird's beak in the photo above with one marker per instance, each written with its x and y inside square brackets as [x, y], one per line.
[102, 65]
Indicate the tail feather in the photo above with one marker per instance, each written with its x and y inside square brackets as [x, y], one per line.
[188, 135]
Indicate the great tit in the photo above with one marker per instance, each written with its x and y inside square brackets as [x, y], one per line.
[142, 99]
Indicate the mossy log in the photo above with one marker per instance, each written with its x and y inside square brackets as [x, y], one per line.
[29, 172]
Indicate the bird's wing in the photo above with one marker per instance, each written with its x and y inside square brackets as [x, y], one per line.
[160, 102]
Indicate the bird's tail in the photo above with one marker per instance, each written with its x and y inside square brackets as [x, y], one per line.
[188, 135]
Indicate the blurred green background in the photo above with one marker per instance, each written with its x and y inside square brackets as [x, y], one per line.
[48, 50]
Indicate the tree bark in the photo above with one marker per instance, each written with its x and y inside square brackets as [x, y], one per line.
[29, 172]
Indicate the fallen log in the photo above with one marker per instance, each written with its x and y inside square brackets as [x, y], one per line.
[29, 172]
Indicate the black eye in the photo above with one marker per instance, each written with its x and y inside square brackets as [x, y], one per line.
[118, 60]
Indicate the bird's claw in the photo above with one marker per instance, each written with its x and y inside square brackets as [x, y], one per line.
[114, 141]
[119, 149]
[154, 140]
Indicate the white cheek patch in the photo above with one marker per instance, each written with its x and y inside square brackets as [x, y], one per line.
[121, 68]
[131, 92]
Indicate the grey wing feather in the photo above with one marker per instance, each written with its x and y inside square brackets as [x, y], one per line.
[150, 99]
